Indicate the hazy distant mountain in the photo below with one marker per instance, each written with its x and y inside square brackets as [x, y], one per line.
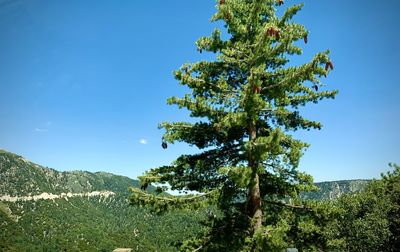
[42, 209]
[333, 189]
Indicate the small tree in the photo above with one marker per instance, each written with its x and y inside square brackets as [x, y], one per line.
[246, 101]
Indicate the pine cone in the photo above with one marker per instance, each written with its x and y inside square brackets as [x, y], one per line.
[330, 65]
[257, 89]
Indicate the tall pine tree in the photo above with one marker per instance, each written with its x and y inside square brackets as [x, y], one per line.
[247, 102]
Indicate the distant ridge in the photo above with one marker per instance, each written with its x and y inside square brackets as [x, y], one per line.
[334, 189]
[84, 181]
[21, 177]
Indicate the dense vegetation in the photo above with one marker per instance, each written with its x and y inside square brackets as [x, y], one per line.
[369, 220]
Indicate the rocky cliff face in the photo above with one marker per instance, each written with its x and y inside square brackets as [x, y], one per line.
[333, 189]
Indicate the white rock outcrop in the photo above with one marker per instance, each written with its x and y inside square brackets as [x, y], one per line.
[50, 196]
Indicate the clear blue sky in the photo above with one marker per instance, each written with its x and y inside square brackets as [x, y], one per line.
[83, 84]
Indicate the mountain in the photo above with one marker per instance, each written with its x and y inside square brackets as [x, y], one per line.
[333, 189]
[42, 209]
[21, 177]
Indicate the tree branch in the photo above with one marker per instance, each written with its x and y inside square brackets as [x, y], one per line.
[198, 248]
[287, 205]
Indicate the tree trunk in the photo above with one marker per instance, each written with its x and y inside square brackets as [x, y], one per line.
[254, 197]
[255, 210]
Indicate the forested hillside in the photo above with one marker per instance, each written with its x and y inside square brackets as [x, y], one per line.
[99, 222]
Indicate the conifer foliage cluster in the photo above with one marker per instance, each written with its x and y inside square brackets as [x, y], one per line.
[247, 102]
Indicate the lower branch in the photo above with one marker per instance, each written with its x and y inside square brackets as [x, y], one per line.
[287, 205]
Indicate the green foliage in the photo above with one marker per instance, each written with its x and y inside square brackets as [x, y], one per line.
[246, 102]
[369, 220]
[87, 225]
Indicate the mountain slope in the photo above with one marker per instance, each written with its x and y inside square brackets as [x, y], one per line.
[91, 214]
[22, 177]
